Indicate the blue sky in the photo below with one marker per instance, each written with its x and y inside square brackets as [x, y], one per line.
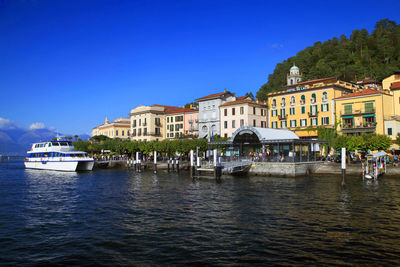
[68, 64]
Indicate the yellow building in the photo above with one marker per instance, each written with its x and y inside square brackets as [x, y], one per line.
[363, 112]
[119, 128]
[303, 106]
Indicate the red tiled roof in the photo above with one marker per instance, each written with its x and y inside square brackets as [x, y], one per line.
[395, 85]
[364, 92]
[242, 101]
[213, 95]
[170, 109]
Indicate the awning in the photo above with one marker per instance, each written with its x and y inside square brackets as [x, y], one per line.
[348, 117]
[369, 115]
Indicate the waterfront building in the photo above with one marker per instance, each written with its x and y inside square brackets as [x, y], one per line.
[304, 106]
[147, 123]
[119, 128]
[181, 122]
[209, 112]
[363, 112]
[371, 110]
[244, 111]
[158, 122]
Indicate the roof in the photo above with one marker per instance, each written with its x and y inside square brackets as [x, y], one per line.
[394, 72]
[213, 95]
[395, 85]
[311, 81]
[337, 86]
[171, 109]
[242, 101]
[362, 93]
[266, 134]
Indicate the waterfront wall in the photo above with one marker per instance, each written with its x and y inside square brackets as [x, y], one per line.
[286, 169]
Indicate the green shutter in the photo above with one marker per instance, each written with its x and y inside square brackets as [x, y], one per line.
[327, 120]
[322, 107]
[327, 107]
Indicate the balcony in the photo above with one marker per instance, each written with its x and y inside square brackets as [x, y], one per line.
[144, 124]
[302, 102]
[280, 117]
[357, 112]
[313, 114]
[154, 134]
[364, 128]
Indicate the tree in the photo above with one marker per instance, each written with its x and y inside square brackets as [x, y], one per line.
[76, 137]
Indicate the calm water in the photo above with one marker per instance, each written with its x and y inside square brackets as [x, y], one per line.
[116, 217]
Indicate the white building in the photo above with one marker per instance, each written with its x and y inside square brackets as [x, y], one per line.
[209, 112]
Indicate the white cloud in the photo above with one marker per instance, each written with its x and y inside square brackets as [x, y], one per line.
[276, 46]
[37, 125]
[6, 124]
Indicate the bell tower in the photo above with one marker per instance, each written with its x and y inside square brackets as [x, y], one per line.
[294, 75]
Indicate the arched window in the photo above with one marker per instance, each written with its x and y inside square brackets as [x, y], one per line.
[273, 103]
[303, 99]
[324, 96]
[204, 128]
[291, 81]
[283, 102]
[313, 98]
[292, 100]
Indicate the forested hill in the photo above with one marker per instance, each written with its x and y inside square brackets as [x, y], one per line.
[374, 55]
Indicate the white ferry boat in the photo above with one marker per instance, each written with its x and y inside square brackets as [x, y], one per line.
[57, 155]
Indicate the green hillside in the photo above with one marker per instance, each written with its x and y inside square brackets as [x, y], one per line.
[374, 55]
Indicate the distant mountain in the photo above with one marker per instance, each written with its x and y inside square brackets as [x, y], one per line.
[15, 140]
[364, 54]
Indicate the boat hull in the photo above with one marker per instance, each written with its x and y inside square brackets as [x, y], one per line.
[60, 165]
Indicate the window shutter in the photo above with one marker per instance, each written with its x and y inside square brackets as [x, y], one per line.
[327, 120]
[327, 107]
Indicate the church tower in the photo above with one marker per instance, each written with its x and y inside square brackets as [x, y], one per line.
[294, 75]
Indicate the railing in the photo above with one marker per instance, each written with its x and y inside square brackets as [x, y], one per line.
[154, 134]
[365, 125]
[282, 117]
[144, 124]
[357, 111]
[313, 114]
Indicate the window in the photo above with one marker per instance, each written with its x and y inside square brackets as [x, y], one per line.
[140, 122]
[292, 123]
[303, 122]
[283, 102]
[225, 112]
[225, 124]
[274, 124]
[241, 110]
[233, 124]
[254, 123]
[167, 119]
[348, 109]
[172, 119]
[254, 110]
[325, 120]
[292, 100]
[225, 135]
[116, 132]
[303, 99]
[313, 122]
[324, 96]
[283, 124]
[390, 131]
[292, 111]
[134, 123]
[283, 113]
[324, 107]
[303, 110]
[262, 112]
[313, 98]
[273, 103]
[313, 110]
[241, 123]
[233, 111]
[274, 113]
[123, 133]
[369, 107]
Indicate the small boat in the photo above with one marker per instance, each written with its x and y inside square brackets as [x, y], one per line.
[375, 166]
[59, 156]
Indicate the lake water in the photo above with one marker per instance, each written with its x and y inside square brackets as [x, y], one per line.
[118, 217]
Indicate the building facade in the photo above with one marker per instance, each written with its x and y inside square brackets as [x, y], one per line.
[182, 123]
[209, 113]
[119, 128]
[304, 106]
[240, 113]
[147, 123]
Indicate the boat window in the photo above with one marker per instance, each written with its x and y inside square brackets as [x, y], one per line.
[56, 144]
[49, 144]
[85, 155]
[63, 143]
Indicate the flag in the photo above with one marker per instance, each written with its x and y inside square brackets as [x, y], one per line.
[212, 136]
